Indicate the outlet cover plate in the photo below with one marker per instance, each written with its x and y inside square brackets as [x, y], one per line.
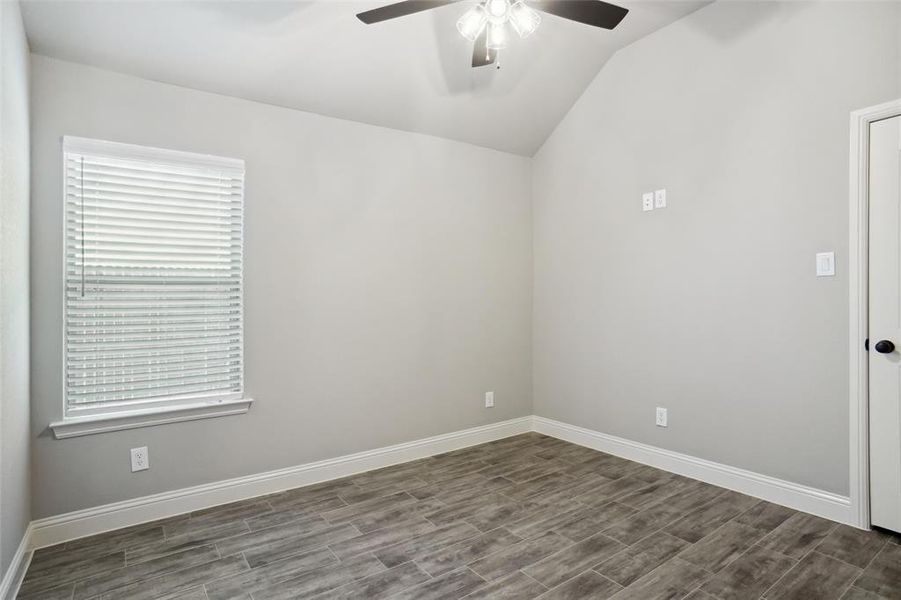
[647, 201]
[140, 459]
[489, 399]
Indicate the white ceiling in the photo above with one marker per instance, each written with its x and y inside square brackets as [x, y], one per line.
[412, 73]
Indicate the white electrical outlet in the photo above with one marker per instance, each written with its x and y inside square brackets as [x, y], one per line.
[489, 399]
[661, 417]
[660, 199]
[140, 459]
[647, 201]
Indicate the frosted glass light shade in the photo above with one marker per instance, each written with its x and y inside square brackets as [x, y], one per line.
[497, 36]
[525, 20]
[471, 24]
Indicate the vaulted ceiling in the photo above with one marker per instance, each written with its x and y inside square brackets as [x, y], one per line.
[412, 73]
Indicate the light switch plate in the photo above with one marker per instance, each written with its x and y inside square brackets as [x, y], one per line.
[660, 199]
[661, 418]
[647, 201]
[825, 264]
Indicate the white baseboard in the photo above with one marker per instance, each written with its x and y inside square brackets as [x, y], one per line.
[70, 526]
[800, 497]
[62, 528]
[12, 579]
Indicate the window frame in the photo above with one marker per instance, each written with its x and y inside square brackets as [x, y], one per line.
[178, 408]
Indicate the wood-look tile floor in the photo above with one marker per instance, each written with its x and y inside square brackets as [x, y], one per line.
[524, 517]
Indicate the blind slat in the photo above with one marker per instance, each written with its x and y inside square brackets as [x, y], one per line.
[91, 370]
[153, 169]
[145, 393]
[85, 384]
[135, 355]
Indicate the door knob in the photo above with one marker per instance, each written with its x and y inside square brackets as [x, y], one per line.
[885, 347]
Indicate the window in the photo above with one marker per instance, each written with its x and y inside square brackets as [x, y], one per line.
[153, 284]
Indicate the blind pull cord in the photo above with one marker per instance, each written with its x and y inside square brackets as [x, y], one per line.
[82, 227]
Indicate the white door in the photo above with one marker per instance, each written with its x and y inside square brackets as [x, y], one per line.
[885, 323]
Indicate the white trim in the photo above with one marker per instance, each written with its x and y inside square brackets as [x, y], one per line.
[62, 528]
[858, 282]
[12, 579]
[81, 145]
[800, 497]
[91, 521]
[104, 423]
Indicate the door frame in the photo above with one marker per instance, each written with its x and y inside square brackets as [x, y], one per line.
[858, 283]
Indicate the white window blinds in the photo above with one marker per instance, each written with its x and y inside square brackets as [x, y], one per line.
[153, 275]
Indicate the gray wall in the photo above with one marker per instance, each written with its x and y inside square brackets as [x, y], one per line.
[388, 286]
[710, 307]
[15, 496]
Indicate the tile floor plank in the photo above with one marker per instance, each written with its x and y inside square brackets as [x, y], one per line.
[589, 584]
[467, 551]
[674, 579]
[642, 524]
[70, 571]
[883, 575]
[765, 516]
[750, 575]
[572, 560]
[427, 543]
[176, 582]
[721, 547]
[853, 545]
[641, 558]
[517, 586]
[453, 585]
[815, 577]
[251, 581]
[708, 518]
[116, 578]
[379, 585]
[380, 538]
[518, 556]
[798, 535]
[321, 580]
[598, 519]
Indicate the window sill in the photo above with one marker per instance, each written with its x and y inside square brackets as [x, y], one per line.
[94, 424]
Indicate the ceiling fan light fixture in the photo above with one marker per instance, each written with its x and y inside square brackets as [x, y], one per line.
[471, 24]
[524, 19]
[497, 10]
[497, 36]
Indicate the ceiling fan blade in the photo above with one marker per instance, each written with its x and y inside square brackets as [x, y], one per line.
[590, 12]
[400, 9]
[481, 55]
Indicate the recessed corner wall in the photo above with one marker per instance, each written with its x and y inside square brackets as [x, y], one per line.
[710, 307]
[388, 286]
[15, 487]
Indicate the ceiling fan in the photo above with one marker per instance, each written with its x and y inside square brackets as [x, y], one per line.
[486, 23]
